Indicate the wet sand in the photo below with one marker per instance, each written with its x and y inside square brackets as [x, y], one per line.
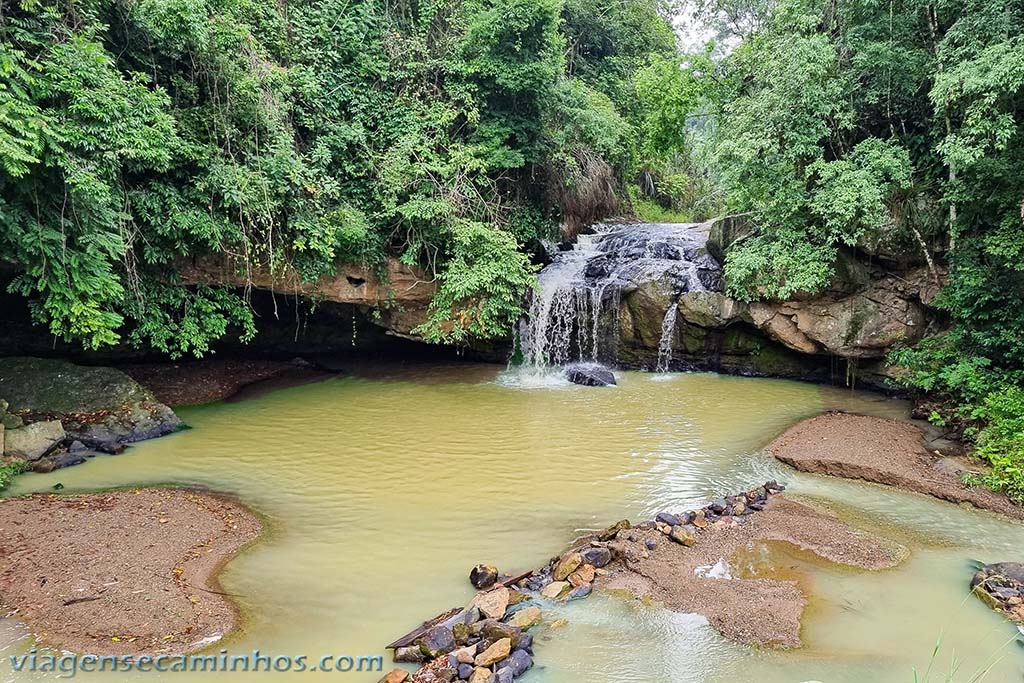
[882, 451]
[123, 572]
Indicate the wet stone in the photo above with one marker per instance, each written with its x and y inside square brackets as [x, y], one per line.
[596, 557]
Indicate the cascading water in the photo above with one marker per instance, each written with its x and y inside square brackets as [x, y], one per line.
[574, 314]
[668, 333]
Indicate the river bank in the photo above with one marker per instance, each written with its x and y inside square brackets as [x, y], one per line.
[122, 572]
[884, 451]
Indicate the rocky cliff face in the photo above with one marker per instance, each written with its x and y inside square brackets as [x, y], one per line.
[662, 286]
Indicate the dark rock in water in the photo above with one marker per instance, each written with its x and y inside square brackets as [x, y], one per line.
[668, 518]
[719, 505]
[503, 675]
[589, 375]
[519, 661]
[1001, 586]
[409, 654]
[436, 642]
[61, 460]
[483, 576]
[526, 642]
[597, 557]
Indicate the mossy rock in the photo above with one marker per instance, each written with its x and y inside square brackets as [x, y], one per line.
[98, 405]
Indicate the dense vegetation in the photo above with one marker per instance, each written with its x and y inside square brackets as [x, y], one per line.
[452, 133]
[446, 133]
[893, 125]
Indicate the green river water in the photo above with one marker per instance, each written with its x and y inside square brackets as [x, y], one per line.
[381, 490]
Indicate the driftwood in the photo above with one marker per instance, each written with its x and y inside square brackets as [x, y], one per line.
[411, 636]
[513, 580]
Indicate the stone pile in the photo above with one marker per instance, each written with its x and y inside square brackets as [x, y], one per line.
[488, 641]
[1001, 586]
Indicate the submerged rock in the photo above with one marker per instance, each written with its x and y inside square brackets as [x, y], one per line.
[589, 375]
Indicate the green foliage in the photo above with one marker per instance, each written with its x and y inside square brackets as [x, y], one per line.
[133, 136]
[1001, 441]
[8, 471]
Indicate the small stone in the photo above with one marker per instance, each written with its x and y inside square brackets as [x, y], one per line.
[555, 589]
[461, 632]
[718, 506]
[567, 565]
[526, 618]
[464, 655]
[667, 518]
[496, 630]
[495, 653]
[664, 528]
[683, 536]
[739, 508]
[597, 557]
[408, 654]
[700, 521]
[493, 603]
[503, 675]
[483, 576]
[519, 661]
[586, 572]
[515, 597]
[481, 675]
[465, 671]
[580, 592]
[651, 544]
[395, 676]
[610, 533]
[437, 641]
[559, 623]
[525, 643]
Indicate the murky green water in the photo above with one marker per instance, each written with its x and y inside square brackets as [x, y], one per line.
[381, 491]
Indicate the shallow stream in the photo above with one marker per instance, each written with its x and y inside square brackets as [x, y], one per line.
[382, 489]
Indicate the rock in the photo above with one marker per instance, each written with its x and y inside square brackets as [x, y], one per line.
[59, 461]
[517, 596]
[395, 676]
[410, 654]
[519, 661]
[495, 653]
[465, 671]
[33, 441]
[525, 643]
[493, 603]
[1001, 586]
[667, 518]
[718, 506]
[482, 675]
[464, 655]
[503, 675]
[437, 641]
[589, 375]
[483, 576]
[566, 565]
[460, 632]
[580, 592]
[96, 405]
[493, 630]
[650, 544]
[683, 536]
[555, 589]
[597, 557]
[586, 572]
[526, 618]
[612, 531]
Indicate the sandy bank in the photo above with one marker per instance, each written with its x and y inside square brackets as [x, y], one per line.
[762, 611]
[121, 572]
[882, 451]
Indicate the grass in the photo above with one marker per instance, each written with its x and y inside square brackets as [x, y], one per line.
[8, 471]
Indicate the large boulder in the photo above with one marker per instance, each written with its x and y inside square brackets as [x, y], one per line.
[589, 375]
[33, 441]
[99, 406]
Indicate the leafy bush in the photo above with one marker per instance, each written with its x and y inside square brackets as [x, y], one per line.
[8, 471]
[1001, 441]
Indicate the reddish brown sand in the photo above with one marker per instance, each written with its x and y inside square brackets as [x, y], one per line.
[761, 611]
[203, 381]
[882, 451]
[121, 572]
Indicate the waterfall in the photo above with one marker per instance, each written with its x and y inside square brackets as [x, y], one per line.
[574, 313]
[668, 333]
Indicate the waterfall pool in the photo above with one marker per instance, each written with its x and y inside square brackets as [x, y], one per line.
[380, 491]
